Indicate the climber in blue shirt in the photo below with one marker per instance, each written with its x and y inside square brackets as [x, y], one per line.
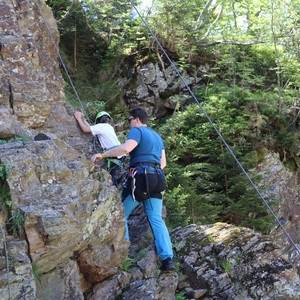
[146, 182]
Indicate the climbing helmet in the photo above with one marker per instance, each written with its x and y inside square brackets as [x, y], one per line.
[101, 114]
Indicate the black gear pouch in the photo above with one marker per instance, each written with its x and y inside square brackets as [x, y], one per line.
[148, 186]
[145, 182]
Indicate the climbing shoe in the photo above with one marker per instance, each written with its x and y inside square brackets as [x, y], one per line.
[167, 265]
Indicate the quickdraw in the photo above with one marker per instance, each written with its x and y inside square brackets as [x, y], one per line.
[132, 173]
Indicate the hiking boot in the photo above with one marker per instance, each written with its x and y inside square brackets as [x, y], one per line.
[167, 265]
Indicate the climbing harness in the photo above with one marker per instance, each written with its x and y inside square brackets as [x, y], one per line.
[147, 181]
[117, 167]
[111, 161]
[216, 129]
[119, 170]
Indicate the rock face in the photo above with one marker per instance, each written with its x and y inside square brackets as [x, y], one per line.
[32, 82]
[283, 187]
[62, 221]
[232, 263]
[31, 87]
[157, 87]
[16, 273]
[141, 278]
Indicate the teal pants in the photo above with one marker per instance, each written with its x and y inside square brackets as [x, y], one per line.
[153, 211]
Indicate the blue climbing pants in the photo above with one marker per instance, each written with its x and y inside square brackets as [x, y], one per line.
[153, 211]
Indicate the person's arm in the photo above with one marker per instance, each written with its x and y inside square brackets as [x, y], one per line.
[85, 127]
[125, 148]
[163, 160]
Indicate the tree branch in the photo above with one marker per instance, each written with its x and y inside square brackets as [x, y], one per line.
[213, 23]
[229, 42]
[201, 19]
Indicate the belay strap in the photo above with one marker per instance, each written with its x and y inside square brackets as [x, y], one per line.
[147, 182]
[149, 164]
[116, 161]
[118, 169]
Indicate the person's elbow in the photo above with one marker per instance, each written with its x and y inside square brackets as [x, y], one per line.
[126, 149]
[128, 146]
[86, 129]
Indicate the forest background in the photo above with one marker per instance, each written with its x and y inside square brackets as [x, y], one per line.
[251, 91]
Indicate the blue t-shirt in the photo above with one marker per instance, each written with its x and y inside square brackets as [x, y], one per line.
[149, 148]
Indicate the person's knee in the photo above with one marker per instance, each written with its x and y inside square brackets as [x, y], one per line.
[156, 220]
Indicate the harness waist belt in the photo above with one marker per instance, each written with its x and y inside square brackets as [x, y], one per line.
[150, 164]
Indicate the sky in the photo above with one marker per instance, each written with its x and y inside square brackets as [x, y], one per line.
[145, 4]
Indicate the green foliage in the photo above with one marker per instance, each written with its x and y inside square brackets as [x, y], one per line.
[36, 271]
[88, 30]
[210, 239]
[176, 205]
[142, 254]
[226, 265]
[5, 196]
[4, 171]
[16, 222]
[245, 67]
[177, 266]
[93, 107]
[127, 263]
[179, 296]
[204, 182]
[263, 61]
[15, 139]
[4, 189]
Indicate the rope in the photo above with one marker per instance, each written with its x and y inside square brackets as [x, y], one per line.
[7, 262]
[60, 58]
[217, 131]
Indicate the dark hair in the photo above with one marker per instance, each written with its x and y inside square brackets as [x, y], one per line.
[140, 113]
[103, 119]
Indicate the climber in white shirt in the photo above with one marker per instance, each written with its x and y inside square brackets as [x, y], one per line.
[105, 133]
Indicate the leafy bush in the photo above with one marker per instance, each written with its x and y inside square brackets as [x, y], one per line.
[205, 184]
